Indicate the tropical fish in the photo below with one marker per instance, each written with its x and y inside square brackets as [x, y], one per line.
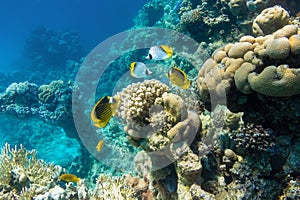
[104, 109]
[100, 145]
[139, 70]
[160, 52]
[69, 178]
[178, 78]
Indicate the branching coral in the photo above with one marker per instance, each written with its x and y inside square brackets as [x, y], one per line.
[20, 169]
[114, 188]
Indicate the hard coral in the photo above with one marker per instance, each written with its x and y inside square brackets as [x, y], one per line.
[264, 64]
[21, 170]
[137, 99]
[253, 138]
[52, 103]
[270, 20]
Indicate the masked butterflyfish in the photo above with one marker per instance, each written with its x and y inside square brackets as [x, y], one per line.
[104, 109]
[178, 78]
[139, 70]
[160, 52]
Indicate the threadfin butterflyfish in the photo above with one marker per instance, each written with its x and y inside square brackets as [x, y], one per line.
[103, 110]
[160, 52]
[178, 78]
[100, 145]
[69, 178]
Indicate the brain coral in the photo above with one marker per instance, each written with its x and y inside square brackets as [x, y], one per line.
[269, 20]
[267, 65]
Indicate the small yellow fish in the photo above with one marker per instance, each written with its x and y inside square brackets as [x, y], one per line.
[178, 78]
[139, 70]
[104, 109]
[160, 52]
[100, 145]
[69, 178]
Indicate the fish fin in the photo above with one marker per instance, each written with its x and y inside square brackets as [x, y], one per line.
[103, 124]
[186, 84]
[97, 125]
[167, 49]
[148, 72]
[131, 67]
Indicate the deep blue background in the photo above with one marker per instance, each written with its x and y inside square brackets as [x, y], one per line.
[93, 20]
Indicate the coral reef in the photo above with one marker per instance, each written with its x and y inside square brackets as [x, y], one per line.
[164, 130]
[253, 138]
[270, 20]
[256, 153]
[51, 103]
[46, 47]
[23, 176]
[22, 171]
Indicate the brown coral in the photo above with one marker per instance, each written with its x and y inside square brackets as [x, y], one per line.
[265, 64]
[270, 20]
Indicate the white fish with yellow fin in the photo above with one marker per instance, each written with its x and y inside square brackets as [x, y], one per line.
[139, 70]
[160, 52]
[103, 110]
[178, 78]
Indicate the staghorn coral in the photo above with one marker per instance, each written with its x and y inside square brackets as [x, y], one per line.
[20, 170]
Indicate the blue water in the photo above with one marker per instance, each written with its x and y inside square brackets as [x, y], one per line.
[92, 20]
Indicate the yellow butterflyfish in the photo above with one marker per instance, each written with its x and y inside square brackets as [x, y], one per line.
[178, 78]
